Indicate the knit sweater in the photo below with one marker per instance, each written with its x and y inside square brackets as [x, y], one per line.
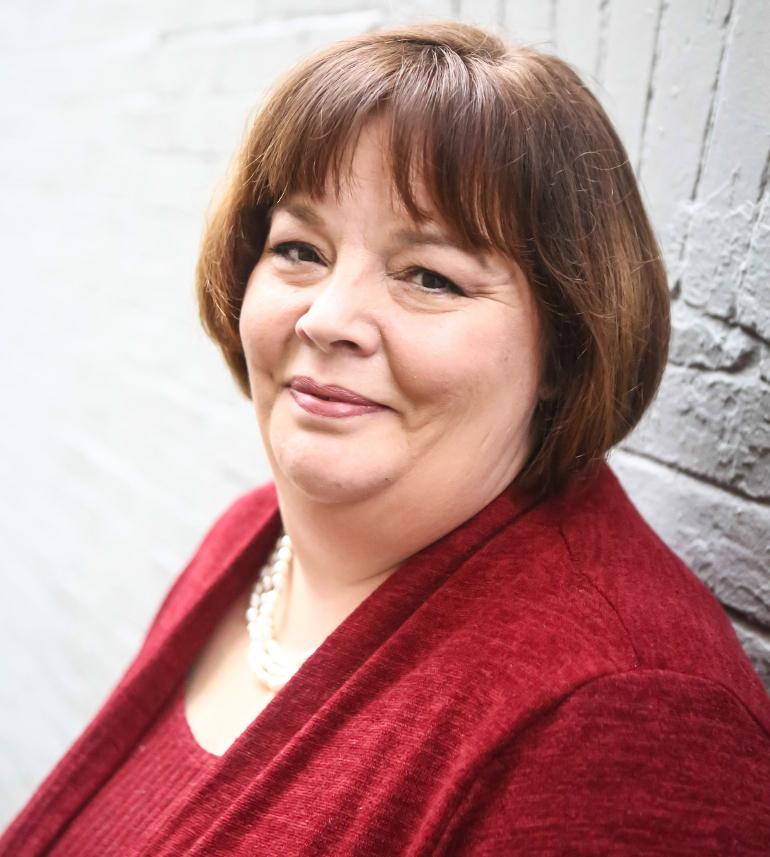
[547, 679]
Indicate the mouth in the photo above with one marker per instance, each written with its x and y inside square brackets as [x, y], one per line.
[330, 400]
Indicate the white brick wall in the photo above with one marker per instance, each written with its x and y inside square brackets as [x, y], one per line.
[121, 435]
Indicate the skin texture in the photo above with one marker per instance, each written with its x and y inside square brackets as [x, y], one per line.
[351, 292]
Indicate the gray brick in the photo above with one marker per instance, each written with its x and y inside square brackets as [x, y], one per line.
[752, 302]
[579, 34]
[711, 424]
[689, 47]
[705, 343]
[630, 45]
[725, 236]
[529, 22]
[757, 647]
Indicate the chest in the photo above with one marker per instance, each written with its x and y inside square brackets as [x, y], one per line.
[382, 776]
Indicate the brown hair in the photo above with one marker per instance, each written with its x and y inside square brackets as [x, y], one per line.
[518, 156]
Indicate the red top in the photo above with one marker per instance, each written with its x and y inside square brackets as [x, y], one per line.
[166, 766]
[546, 679]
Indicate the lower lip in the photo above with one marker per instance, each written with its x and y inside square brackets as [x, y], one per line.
[323, 408]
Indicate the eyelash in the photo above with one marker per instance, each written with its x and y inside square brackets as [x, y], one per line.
[285, 247]
[449, 285]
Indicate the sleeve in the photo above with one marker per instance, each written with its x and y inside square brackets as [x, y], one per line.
[647, 763]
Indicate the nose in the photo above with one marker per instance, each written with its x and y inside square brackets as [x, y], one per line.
[341, 314]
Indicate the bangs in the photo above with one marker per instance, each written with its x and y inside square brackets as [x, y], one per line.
[446, 128]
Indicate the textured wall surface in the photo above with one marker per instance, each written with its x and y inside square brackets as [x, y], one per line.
[121, 435]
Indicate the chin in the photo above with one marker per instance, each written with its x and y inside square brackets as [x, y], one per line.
[327, 473]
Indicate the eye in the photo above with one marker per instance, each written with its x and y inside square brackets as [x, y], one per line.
[296, 251]
[430, 281]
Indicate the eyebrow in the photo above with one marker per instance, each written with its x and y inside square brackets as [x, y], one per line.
[301, 212]
[421, 238]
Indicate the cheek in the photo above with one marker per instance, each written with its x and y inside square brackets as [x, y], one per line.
[471, 365]
[266, 324]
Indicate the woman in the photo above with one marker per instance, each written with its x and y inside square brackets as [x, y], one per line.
[433, 274]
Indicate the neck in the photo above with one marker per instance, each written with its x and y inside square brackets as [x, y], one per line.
[344, 551]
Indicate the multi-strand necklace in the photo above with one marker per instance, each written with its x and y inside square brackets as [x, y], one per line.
[272, 667]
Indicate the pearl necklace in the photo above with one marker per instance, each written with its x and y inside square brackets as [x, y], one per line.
[272, 667]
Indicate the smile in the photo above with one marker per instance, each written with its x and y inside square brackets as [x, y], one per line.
[329, 400]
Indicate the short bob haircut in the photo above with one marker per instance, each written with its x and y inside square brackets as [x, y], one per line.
[517, 156]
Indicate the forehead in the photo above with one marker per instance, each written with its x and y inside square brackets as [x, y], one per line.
[367, 179]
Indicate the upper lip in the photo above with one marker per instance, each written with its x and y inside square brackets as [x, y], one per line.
[303, 384]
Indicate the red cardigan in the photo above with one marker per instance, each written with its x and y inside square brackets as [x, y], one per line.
[546, 679]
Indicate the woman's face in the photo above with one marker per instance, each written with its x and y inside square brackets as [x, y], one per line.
[384, 360]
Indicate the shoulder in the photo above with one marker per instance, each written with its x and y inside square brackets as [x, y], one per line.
[666, 736]
[668, 714]
[671, 619]
[652, 761]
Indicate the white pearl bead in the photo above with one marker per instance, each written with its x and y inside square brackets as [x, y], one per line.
[270, 665]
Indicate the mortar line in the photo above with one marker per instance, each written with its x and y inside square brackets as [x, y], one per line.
[699, 477]
[749, 360]
[739, 617]
[732, 323]
[501, 16]
[605, 12]
[662, 9]
[553, 21]
[754, 228]
[708, 131]
[763, 179]
[728, 24]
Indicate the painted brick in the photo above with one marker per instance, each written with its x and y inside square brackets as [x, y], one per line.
[752, 299]
[705, 343]
[689, 46]
[580, 34]
[529, 22]
[484, 13]
[764, 365]
[757, 647]
[733, 172]
[712, 424]
[631, 43]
